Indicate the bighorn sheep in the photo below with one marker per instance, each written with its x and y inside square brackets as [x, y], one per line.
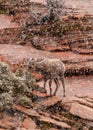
[52, 69]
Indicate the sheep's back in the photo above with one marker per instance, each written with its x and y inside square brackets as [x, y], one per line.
[51, 67]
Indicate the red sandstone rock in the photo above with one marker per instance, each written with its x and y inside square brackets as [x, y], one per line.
[8, 122]
[29, 112]
[51, 101]
[56, 123]
[29, 124]
[82, 111]
[39, 95]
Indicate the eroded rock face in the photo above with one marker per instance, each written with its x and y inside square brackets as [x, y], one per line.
[82, 111]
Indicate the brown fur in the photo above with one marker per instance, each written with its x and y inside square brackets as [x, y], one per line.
[52, 69]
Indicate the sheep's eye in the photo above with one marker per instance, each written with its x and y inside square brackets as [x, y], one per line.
[29, 67]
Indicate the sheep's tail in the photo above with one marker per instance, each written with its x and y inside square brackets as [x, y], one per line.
[63, 66]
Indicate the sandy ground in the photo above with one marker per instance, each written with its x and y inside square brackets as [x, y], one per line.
[6, 22]
[39, 1]
[83, 6]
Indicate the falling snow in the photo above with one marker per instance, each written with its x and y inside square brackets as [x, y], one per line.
[46, 29]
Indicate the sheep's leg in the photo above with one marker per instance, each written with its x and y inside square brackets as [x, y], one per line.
[45, 80]
[57, 86]
[63, 84]
[50, 83]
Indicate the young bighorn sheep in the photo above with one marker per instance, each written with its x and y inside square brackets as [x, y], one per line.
[52, 69]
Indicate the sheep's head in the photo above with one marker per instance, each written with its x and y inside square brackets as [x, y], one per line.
[31, 65]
